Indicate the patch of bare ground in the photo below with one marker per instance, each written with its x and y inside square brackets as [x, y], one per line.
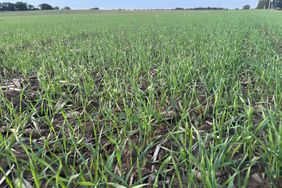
[19, 92]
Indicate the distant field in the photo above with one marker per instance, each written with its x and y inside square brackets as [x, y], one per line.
[141, 99]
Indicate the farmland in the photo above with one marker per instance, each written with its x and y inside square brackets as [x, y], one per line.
[148, 99]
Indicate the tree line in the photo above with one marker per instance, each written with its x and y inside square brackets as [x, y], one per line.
[266, 4]
[201, 8]
[22, 6]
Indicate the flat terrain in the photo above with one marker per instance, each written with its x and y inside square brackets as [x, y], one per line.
[144, 99]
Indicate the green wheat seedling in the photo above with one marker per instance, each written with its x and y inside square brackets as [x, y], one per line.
[140, 99]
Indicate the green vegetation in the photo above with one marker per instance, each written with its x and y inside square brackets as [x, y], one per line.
[152, 99]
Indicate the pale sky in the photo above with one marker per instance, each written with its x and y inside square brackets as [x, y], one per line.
[132, 4]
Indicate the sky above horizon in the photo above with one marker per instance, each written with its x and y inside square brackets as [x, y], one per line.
[140, 4]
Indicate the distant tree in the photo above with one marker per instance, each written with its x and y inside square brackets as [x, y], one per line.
[95, 8]
[179, 8]
[31, 7]
[45, 6]
[246, 7]
[21, 6]
[206, 8]
[8, 7]
[263, 4]
[56, 8]
[66, 8]
[277, 4]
